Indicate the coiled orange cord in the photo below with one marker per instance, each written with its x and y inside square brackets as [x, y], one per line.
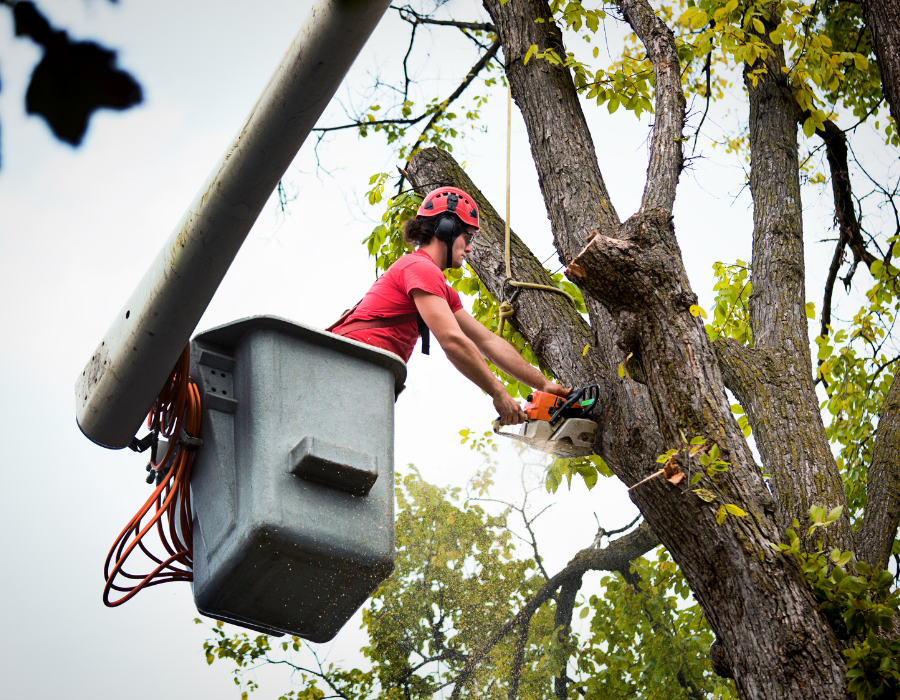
[177, 408]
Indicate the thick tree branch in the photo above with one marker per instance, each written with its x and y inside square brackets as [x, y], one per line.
[518, 660]
[777, 305]
[879, 528]
[666, 157]
[566, 159]
[565, 607]
[549, 322]
[849, 232]
[774, 395]
[780, 399]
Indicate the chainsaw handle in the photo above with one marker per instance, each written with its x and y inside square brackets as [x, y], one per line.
[496, 425]
[589, 390]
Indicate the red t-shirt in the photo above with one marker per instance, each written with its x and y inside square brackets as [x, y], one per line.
[390, 296]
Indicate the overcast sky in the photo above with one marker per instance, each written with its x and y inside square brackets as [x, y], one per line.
[78, 228]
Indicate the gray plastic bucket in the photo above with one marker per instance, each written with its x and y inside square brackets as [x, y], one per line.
[293, 488]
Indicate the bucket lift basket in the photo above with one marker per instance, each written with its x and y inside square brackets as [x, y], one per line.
[293, 490]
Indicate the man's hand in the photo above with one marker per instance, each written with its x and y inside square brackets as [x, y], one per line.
[555, 389]
[509, 409]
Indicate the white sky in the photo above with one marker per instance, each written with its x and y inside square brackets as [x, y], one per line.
[79, 227]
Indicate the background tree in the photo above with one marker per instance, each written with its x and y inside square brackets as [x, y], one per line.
[795, 614]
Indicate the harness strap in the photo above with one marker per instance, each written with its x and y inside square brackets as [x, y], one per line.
[388, 322]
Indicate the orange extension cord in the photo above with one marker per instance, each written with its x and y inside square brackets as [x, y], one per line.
[177, 408]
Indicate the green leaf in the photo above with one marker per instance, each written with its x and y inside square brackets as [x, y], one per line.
[810, 310]
[809, 127]
[699, 20]
[721, 515]
[876, 268]
[834, 514]
[734, 510]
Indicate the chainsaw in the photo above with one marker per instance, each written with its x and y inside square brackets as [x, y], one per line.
[558, 426]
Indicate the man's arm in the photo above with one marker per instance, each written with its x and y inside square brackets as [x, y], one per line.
[505, 356]
[464, 354]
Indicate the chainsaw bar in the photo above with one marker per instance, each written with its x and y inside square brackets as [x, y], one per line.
[573, 437]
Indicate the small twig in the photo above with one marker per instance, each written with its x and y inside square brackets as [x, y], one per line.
[476, 69]
[708, 70]
[409, 15]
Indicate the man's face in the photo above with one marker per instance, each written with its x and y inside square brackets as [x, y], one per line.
[462, 246]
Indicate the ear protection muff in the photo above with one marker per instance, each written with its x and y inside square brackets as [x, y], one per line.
[448, 228]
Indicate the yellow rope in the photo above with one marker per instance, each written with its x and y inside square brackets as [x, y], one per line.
[506, 309]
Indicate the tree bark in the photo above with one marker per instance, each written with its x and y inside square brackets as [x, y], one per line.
[562, 618]
[883, 23]
[761, 611]
[879, 528]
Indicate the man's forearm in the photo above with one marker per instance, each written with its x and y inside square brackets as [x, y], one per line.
[464, 355]
[505, 356]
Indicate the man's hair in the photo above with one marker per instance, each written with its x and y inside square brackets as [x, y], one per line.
[419, 232]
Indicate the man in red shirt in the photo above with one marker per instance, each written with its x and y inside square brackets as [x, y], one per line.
[412, 297]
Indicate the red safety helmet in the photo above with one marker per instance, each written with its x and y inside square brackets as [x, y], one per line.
[453, 200]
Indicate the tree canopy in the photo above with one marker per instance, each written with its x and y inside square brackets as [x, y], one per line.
[779, 558]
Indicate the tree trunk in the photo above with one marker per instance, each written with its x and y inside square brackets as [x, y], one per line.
[774, 381]
[764, 615]
[883, 23]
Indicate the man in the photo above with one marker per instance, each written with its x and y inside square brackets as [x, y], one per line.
[412, 297]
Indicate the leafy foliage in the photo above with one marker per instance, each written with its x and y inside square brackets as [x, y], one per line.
[731, 315]
[672, 633]
[859, 605]
[857, 367]
[588, 468]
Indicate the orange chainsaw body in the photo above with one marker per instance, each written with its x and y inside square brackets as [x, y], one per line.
[539, 403]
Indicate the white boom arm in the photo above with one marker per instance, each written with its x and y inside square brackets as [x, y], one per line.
[131, 364]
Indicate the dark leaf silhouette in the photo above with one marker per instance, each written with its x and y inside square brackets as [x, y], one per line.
[73, 79]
